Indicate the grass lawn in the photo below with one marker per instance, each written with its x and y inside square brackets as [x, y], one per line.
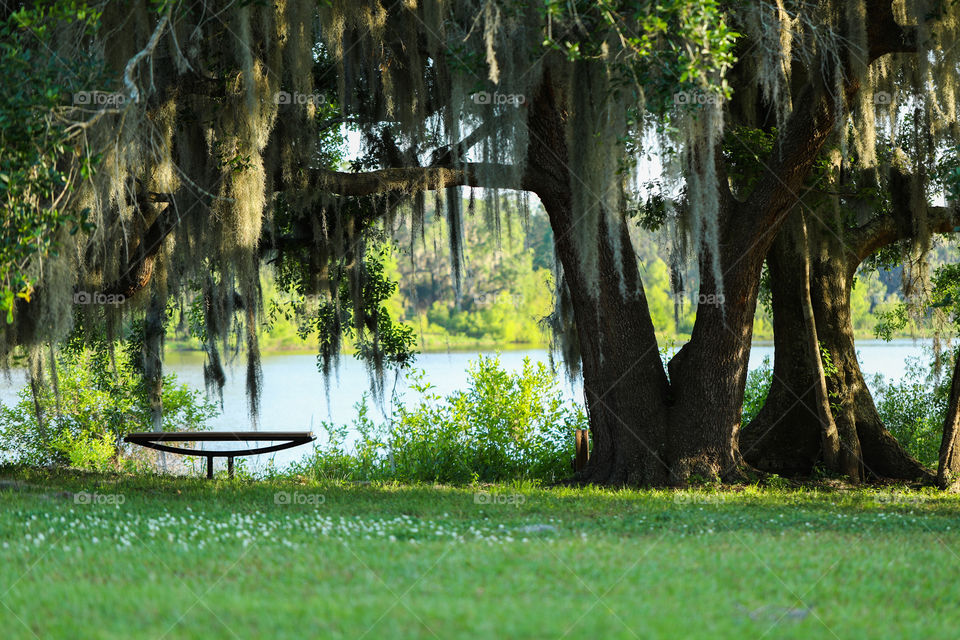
[94, 556]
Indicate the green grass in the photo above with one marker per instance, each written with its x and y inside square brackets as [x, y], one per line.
[186, 558]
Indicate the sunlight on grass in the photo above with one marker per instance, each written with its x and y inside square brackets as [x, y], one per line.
[89, 555]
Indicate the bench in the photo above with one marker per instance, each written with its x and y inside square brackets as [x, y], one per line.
[156, 440]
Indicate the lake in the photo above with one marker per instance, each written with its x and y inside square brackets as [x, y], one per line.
[294, 396]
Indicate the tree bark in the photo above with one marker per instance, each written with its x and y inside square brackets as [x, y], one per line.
[625, 385]
[152, 362]
[783, 438]
[646, 428]
[948, 468]
[153, 333]
[834, 456]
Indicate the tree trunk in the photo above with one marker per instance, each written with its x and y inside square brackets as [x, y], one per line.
[708, 376]
[948, 469]
[152, 353]
[785, 436]
[862, 433]
[648, 429]
[625, 385]
[834, 455]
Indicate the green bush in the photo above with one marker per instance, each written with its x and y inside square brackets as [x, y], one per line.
[504, 426]
[755, 393]
[913, 409]
[87, 450]
[98, 401]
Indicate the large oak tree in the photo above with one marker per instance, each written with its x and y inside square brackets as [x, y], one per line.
[222, 157]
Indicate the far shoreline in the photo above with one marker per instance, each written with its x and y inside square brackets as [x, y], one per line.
[181, 351]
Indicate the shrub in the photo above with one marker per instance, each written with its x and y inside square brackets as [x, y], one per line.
[87, 450]
[755, 393]
[914, 408]
[504, 426]
[98, 401]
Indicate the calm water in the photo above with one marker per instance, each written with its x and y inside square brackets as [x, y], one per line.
[294, 396]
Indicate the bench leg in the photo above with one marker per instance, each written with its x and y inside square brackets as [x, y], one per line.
[209, 467]
[230, 466]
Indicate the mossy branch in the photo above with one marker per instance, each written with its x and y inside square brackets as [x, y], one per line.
[412, 179]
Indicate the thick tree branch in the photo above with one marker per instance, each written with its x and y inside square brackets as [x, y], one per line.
[444, 155]
[788, 165]
[885, 230]
[899, 225]
[133, 91]
[140, 266]
[413, 179]
[813, 120]
[884, 34]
